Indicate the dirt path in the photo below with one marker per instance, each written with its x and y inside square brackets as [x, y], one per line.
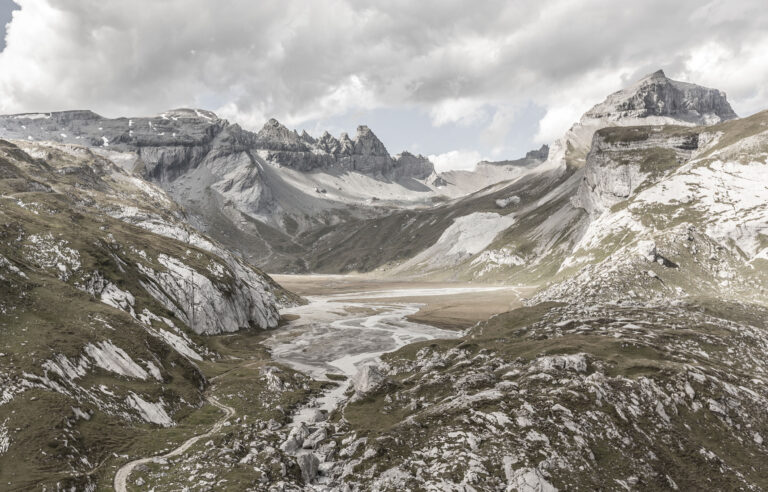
[121, 477]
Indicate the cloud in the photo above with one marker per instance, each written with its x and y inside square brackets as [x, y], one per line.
[462, 111]
[456, 159]
[464, 64]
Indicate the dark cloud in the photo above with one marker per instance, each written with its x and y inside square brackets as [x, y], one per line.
[6, 9]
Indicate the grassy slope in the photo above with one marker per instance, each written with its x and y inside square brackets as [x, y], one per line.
[635, 359]
[43, 316]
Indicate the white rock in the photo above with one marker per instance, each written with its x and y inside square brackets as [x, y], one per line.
[527, 480]
[368, 378]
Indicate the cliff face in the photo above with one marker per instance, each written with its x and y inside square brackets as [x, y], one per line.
[657, 95]
[653, 100]
[622, 159]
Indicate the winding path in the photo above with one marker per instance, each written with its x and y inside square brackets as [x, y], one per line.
[121, 477]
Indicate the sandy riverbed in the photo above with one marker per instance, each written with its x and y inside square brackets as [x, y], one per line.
[453, 306]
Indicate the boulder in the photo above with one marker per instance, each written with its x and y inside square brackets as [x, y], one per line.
[368, 378]
[309, 464]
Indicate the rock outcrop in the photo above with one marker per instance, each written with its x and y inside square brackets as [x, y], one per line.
[653, 100]
[621, 159]
[408, 165]
[365, 153]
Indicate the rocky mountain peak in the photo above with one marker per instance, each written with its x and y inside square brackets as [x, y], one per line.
[273, 127]
[367, 143]
[307, 137]
[657, 95]
[541, 154]
[346, 144]
[328, 143]
[658, 74]
[653, 100]
[276, 136]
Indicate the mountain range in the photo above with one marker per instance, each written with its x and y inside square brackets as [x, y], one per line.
[637, 363]
[266, 194]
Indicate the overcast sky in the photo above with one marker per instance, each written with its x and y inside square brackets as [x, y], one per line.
[459, 80]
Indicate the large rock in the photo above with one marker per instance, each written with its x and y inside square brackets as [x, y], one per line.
[309, 464]
[408, 165]
[368, 378]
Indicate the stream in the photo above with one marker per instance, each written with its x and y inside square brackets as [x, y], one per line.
[338, 334]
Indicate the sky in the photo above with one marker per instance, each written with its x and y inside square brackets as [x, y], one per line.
[456, 80]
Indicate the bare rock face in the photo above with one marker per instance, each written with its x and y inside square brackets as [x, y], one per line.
[408, 165]
[657, 95]
[223, 304]
[329, 144]
[275, 136]
[653, 100]
[532, 157]
[619, 162]
[368, 144]
[364, 153]
[541, 154]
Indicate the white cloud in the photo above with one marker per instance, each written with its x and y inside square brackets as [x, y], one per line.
[464, 63]
[739, 71]
[463, 111]
[556, 121]
[456, 159]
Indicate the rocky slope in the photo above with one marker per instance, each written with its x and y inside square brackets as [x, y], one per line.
[568, 397]
[105, 291]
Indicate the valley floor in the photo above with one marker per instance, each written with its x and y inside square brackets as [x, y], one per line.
[349, 321]
[447, 305]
